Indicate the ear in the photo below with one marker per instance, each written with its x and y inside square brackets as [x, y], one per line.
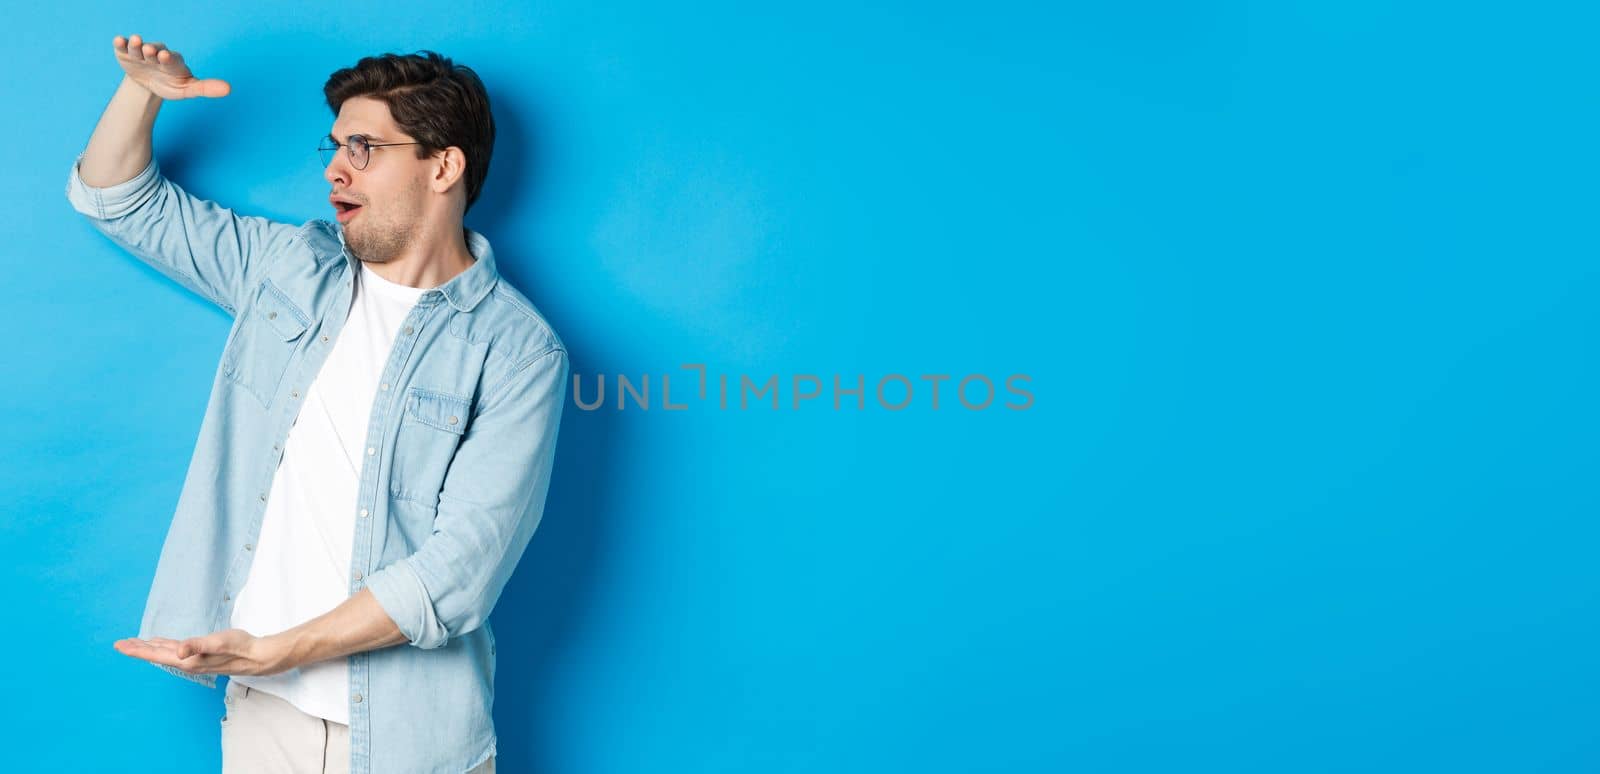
[450, 170]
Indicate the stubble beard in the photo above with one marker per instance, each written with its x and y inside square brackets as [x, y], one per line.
[381, 241]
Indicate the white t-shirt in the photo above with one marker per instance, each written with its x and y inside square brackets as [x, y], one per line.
[302, 563]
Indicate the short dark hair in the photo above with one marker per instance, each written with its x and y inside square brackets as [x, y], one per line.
[437, 102]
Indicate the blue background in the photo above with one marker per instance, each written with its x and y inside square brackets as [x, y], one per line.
[1306, 292]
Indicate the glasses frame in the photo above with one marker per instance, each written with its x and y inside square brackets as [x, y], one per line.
[329, 144]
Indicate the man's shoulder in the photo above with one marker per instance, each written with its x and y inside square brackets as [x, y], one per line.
[315, 239]
[514, 326]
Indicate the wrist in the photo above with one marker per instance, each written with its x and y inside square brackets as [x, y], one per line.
[288, 649]
[136, 90]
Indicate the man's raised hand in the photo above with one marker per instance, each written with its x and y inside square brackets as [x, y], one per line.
[162, 71]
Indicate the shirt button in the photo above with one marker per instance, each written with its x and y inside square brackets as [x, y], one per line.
[324, 338]
[385, 385]
[272, 315]
[358, 575]
[357, 698]
[451, 420]
[363, 513]
[226, 598]
[249, 546]
[371, 451]
[274, 447]
[263, 496]
[408, 330]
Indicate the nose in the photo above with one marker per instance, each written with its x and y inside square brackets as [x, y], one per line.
[338, 171]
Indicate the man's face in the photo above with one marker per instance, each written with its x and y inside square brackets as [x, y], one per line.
[391, 189]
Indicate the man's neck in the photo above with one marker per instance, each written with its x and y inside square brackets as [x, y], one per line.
[428, 264]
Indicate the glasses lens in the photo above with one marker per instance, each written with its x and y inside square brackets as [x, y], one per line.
[359, 151]
[326, 153]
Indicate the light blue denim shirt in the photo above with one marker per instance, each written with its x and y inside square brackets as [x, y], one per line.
[458, 455]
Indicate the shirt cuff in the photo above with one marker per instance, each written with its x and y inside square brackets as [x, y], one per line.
[403, 596]
[111, 201]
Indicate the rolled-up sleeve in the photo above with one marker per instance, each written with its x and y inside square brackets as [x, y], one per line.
[112, 201]
[209, 249]
[491, 502]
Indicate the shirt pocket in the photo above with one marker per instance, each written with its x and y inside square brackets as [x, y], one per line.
[431, 427]
[264, 343]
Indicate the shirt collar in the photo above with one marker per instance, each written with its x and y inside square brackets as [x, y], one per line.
[465, 290]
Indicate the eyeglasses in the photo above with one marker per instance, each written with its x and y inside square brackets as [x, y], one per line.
[360, 150]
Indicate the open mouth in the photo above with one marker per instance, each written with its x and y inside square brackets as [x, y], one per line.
[345, 210]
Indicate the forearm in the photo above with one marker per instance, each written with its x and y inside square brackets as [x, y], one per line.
[358, 624]
[121, 145]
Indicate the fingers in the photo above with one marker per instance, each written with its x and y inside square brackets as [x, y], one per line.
[164, 651]
[137, 648]
[152, 645]
[189, 648]
[160, 650]
[216, 643]
[132, 47]
[209, 87]
[135, 47]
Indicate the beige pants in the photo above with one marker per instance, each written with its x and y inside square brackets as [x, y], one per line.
[263, 734]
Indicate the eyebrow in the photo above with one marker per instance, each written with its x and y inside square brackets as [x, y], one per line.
[370, 137]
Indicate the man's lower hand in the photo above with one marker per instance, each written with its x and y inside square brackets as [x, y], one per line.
[228, 652]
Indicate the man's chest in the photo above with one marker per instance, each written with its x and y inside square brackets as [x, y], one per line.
[410, 371]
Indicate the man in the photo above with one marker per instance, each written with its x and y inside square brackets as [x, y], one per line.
[378, 443]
